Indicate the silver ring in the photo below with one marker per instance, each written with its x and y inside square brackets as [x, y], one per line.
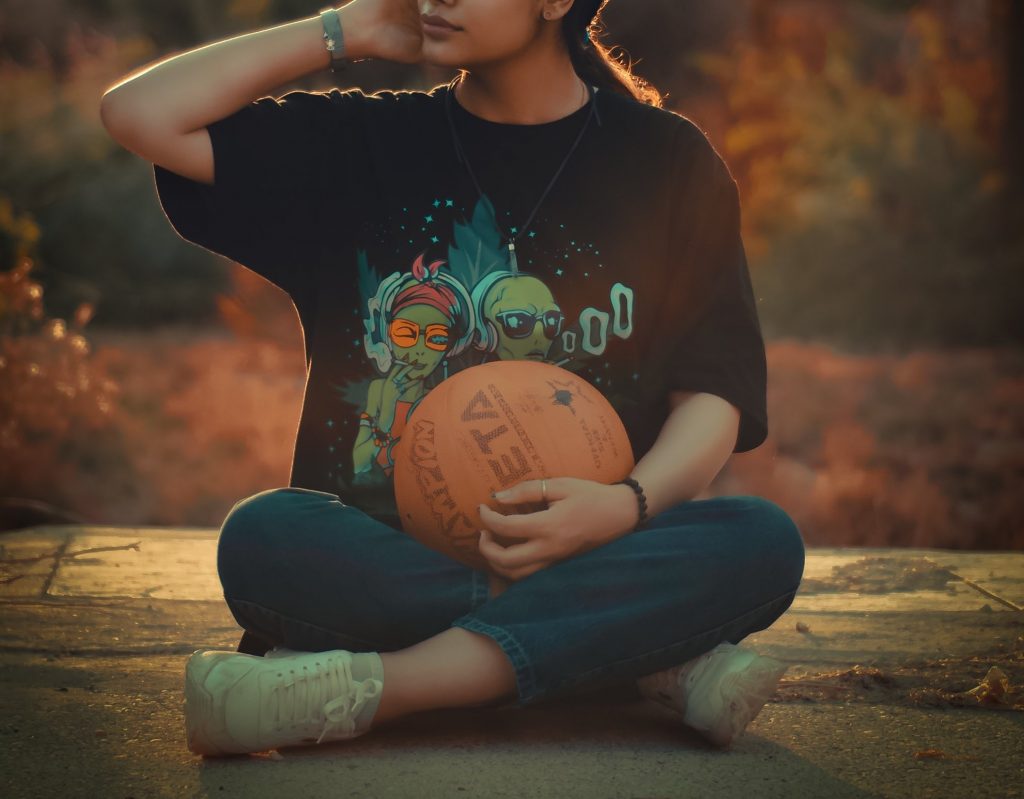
[544, 490]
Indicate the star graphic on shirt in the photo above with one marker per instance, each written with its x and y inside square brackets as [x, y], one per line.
[448, 203]
[436, 203]
[558, 272]
[532, 233]
[428, 218]
[434, 239]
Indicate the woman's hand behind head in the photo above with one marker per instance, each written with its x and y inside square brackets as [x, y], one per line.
[387, 29]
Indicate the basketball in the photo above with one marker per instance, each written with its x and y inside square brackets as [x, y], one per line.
[493, 426]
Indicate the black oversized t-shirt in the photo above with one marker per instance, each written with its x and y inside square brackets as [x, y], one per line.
[631, 273]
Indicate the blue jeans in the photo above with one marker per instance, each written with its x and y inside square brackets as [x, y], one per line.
[302, 570]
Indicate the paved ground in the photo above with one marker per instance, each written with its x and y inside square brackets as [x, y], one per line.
[893, 690]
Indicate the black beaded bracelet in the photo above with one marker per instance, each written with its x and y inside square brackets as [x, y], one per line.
[640, 498]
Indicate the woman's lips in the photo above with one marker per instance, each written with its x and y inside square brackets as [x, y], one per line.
[438, 25]
[437, 19]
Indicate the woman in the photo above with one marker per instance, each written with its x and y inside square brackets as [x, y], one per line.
[541, 205]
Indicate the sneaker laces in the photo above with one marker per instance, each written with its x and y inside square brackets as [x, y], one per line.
[322, 694]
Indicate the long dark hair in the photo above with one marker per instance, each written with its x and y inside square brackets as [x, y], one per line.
[593, 61]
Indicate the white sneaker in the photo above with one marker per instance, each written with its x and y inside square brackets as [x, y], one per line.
[237, 703]
[719, 692]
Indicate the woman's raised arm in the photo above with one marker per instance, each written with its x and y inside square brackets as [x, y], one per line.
[161, 110]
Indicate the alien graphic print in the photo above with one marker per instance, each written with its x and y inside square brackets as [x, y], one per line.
[630, 272]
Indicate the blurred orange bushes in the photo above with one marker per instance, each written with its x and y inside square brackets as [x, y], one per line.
[211, 419]
[922, 450]
[56, 407]
[877, 212]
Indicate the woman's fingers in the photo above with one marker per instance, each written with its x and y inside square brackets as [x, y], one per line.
[515, 525]
[513, 557]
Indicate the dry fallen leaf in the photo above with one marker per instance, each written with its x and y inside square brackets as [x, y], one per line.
[993, 688]
[938, 754]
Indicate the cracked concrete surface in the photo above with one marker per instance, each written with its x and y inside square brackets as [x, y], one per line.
[906, 669]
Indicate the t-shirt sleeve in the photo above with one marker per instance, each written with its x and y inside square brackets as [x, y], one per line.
[718, 347]
[272, 162]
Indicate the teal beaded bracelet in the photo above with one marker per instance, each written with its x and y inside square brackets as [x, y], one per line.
[641, 499]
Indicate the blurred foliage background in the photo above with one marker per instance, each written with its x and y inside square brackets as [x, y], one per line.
[876, 145]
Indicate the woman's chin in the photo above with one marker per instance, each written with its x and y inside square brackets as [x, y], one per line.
[438, 54]
[440, 61]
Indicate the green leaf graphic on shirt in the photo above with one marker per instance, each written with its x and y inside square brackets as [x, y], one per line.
[366, 278]
[354, 393]
[477, 249]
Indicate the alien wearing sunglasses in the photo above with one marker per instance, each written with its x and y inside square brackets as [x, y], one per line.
[518, 317]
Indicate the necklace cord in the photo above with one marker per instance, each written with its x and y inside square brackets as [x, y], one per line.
[448, 100]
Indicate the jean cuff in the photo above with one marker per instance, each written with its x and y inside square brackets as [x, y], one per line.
[526, 680]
